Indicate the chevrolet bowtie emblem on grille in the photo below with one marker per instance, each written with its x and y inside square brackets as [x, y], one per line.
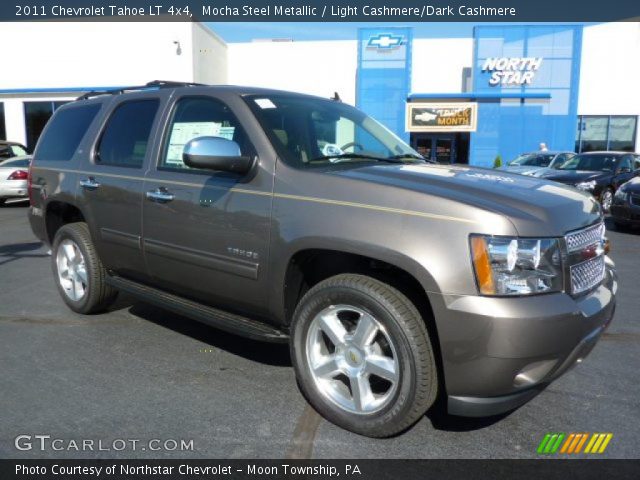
[385, 41]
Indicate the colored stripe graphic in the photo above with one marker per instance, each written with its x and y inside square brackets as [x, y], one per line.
[598, 443]
[572, 443]
[550, 443]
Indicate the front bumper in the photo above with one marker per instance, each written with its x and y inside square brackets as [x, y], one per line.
[498, 353]
[625, 213]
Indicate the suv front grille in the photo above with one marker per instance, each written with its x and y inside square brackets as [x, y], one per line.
[578, 241]
[587, 275]
[586, 262]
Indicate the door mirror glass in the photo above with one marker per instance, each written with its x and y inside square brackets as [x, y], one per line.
[215, 153]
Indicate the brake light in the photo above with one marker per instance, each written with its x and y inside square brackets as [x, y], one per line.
[19, 175]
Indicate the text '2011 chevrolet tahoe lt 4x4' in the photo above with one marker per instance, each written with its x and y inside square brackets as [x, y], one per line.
[292, 218]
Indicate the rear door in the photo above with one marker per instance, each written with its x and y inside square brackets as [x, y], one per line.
[206, 233]
[111, 182]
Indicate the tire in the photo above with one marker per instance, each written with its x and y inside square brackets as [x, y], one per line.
[83, 288]
[391, 327]
[606, 199]
[2, 200]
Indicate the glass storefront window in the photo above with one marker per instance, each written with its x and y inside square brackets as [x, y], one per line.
[3, 131]
[36, 115]
[606, 133]
[622, 133]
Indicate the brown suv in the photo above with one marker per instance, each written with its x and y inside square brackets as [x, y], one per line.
[292, 218]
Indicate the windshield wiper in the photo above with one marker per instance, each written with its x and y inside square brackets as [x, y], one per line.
[348, 156]
[410, 155]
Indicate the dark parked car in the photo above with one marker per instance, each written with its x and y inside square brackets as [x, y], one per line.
[11, 149]
[599, 173]
[534, 162]
[625, 209]
[292, 218]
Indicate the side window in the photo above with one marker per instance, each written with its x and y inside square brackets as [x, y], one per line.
[198, 117]
[626, 163]
[126, 136]
[62, 136]
[636, 162]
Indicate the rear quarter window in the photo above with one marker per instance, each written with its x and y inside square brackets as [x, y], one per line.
[125, 137]
[64, 133]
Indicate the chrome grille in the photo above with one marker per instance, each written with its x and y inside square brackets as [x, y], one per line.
[587, 274]
[577, 241]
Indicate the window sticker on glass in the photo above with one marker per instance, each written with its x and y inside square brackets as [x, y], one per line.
[265, 103]
[226, 132]
[183, 132]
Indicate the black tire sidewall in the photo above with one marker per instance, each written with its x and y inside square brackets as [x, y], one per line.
[70, 231]
[400, 405]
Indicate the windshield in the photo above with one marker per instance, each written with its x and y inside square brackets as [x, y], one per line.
[310, 132]
[18, 150]
[533, 160]
[593, 162]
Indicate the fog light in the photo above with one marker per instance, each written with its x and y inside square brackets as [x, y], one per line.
[533, 373]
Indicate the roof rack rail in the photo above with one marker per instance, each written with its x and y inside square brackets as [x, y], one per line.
[155, 84]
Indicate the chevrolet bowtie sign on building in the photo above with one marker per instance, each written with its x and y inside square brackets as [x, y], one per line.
[385, 41]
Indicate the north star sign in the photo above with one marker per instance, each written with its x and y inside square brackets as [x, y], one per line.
[385, 41]
[511, 70]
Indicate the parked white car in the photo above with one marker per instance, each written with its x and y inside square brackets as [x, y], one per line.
[13, 178]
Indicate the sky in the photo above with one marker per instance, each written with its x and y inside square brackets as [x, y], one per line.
[232, 32]
[245, 32]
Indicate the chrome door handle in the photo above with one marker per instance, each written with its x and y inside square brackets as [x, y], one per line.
[89, 184]
[160, 195]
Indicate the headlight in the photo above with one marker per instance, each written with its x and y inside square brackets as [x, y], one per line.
[516, 266]
[587, 186]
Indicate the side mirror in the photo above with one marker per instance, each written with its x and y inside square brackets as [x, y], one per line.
[215, 153]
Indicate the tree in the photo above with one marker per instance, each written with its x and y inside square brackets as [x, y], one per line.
[497, 162]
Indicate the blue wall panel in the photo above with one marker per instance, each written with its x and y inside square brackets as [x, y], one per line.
[384, 75]
[511, 126]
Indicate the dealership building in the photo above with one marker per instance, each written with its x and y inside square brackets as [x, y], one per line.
[486, 90]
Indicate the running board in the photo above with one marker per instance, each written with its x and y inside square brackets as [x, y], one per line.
[226, 321]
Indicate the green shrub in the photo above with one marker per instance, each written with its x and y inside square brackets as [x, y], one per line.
[497, 162]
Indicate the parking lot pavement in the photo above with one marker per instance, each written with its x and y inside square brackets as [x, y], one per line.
[141, 373]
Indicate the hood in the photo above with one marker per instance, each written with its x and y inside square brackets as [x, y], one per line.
[633, 185]
[536, 207]
[571, 177]
[522, 169]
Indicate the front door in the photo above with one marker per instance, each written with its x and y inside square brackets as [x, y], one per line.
[440, 148]
[206, 233]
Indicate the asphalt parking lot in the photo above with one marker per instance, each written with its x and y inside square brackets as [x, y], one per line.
[139, 372]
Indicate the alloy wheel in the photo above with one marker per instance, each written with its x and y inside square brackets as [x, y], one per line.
[72, 270]
[352, 359]
[607, 200]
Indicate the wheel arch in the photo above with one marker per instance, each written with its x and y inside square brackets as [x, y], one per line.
[309, 266]
[59, 213]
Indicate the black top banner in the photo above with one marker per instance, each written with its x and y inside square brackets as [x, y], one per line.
[325, 11]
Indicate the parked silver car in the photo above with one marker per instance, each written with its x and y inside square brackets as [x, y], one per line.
[535, 162]
[14, 174]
